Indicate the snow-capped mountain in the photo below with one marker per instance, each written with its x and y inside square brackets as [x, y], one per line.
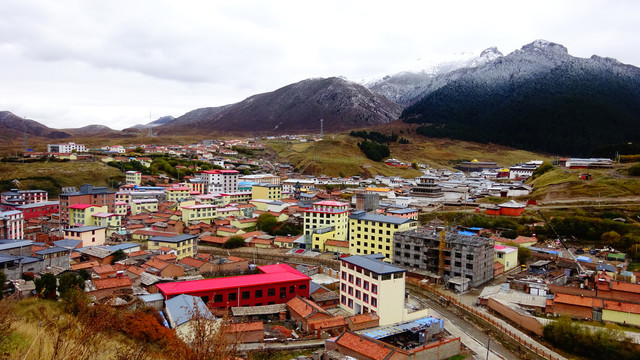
[425, 76]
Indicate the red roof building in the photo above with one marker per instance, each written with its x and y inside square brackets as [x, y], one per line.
[277, 284]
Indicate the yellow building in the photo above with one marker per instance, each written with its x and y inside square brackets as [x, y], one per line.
[184, 244]
[121, 207]
[198, 213]
[123, 196]
[506, 255]
[89, 235]
[371, 234]
[325, 217]
[179, 193]
[621, 312]
[133, 177]
[224, 212]
[81, 214]
[243, 223]
[143, 205]
[368, 284]
[241, 197]
[266, 191]
[213, 199]
[336, 246]
[112, 222]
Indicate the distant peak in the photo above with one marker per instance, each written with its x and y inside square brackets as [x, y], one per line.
[545, 45]
[491, 52]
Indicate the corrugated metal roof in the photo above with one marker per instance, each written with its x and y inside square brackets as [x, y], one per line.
[373, 264]
[182, 308]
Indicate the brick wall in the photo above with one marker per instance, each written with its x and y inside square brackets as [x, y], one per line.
[525, 321]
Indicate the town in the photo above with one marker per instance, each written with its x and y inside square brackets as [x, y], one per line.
[368, 268]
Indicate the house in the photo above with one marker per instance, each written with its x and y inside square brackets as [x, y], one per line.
[302, 311]
[506, 255]
[90, 235]
[184, 244]
[241, 333]
[325, 220]
[110, 286]
[183, 309]
[163, 269]
[200, 266]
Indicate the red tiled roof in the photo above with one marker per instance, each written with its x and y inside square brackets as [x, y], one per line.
[214, 239]
[111, 283]
[235, 259]
[577, 300]
[305, 307]
[625, 286]
[135, 270]
[327, 323]
[196, 263]
[84, 265]
[284, 239]
[362, 318]
[103, 269]
[366, 347]
[251, 234]
[622, 306]
[339, 243]
[242, 327]
[158, 264]
[228, 229]
[167, 257]
[138, 253]
[155, 233]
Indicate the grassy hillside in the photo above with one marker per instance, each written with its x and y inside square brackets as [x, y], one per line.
[52, 176]
[563, 183]
[339, 155]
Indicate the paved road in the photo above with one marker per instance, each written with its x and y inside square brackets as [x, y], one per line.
[472, 337]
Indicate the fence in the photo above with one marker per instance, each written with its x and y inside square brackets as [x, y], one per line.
[440, 296]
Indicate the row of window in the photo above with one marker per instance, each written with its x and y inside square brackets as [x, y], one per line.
[245, 295]
[365, 298]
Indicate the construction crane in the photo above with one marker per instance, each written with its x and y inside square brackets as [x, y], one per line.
[582, 272]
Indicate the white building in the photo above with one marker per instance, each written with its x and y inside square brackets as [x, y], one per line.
[66, 148]
[368, 284]
[221, 181]
[11, 225]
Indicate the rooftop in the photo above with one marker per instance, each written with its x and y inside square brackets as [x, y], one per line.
[362, 215]
[373, 263]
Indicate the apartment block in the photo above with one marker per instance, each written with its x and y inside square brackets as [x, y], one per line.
[219, 180]
[178, 193]
[184, 244]
[66, 148]
[325, 220]
[89, 235]
[266, 191]
[133, 177]
[23, 197]
[11, 224]
[372, 233]
[370, 285]
[88, 194]
[464, 256]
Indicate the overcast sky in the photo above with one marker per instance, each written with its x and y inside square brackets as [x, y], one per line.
[118, 63]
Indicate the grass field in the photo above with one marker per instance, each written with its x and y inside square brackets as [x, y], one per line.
[338, 154]
[52, 176]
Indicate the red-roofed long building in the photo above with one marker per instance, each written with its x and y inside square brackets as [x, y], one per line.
[277, 284]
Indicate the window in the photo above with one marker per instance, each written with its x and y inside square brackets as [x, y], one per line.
[374, 288]
[343, 299]
[386, 277]
[357, 281]
[246, 295]
[292, 289]
[366, 285]
[344, 274]
[217, 298]
[351, 278]
[365, 298]
[358, 294]
[343, 287]
[350, 303]
[258, 293]
[374, 301]
[233, 296]
[350, 290]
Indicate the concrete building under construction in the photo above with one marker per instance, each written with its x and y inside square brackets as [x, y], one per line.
[459, 258]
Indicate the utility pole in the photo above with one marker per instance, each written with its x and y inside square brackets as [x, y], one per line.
[321, 127]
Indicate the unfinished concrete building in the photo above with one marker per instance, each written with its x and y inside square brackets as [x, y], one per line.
[463, 256]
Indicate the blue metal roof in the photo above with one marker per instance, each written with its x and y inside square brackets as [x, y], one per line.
[416, 325]
[373, 263]
[361, 215]
[51, 250]
[181, 308]
[173, 239]
[68, 243]
[123, 246]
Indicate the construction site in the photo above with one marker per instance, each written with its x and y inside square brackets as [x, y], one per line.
[458, 261]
